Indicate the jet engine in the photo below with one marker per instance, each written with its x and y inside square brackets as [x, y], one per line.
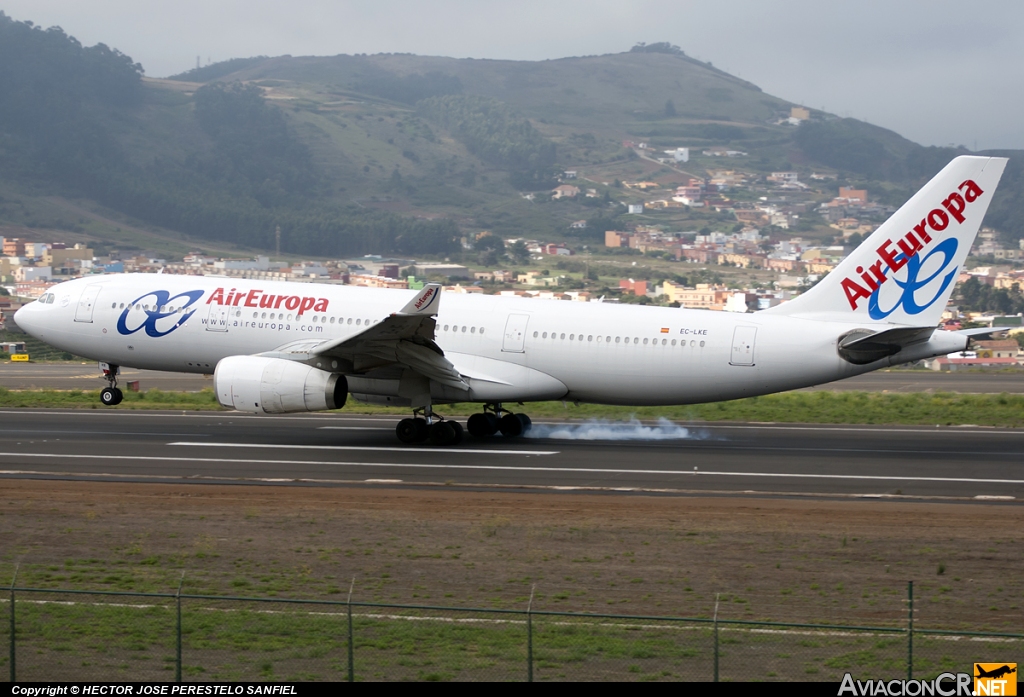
[276, 386]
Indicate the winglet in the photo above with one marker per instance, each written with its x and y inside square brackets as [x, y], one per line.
[426, 303]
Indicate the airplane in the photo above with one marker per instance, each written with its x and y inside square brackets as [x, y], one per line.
[282, 347]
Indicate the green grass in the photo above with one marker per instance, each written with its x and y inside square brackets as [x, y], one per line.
[939, 409]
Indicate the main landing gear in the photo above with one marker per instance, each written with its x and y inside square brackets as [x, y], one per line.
[494, 418]
[424, 426]
[110, 395]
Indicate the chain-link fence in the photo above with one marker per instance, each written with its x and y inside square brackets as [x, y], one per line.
[92, 636]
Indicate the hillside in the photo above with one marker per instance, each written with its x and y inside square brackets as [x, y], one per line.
[395, 153]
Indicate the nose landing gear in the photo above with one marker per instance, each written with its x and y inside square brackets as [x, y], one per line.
[110, 396]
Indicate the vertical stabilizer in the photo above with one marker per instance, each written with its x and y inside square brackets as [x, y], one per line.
[905, 271]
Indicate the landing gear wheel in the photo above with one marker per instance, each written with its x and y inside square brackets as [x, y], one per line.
[111, 396]
[510, 425]
[459, 432]
[526, 421]
[444, 433]
[482, 425]
[412, 430]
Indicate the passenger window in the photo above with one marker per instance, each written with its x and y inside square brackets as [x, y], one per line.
[255, 315]
[535, 335]
[481, 330]
[122, 306]
[692, 343]
[350, 320]
[645, 342]
[673, 342]
[289, 317]
[572, 337]
[599, 340]
[618, 339]
[544, 335]
[359, 322]
[590, 337]
[472, 330]
[608, 339]
[463, 329]
[113, 306]
[702, 344]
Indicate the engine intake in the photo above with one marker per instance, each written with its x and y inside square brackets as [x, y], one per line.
[276, 386]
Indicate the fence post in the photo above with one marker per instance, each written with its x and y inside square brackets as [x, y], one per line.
[351, 656]
[13, 652]
[910, 630]
[529, 636]
[177, 599]
[716, 636]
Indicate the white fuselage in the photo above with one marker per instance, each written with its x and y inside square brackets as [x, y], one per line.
[510, 348]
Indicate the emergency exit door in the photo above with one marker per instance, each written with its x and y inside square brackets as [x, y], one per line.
[743, 346]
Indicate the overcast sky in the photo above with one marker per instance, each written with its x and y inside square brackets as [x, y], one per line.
[938, 71]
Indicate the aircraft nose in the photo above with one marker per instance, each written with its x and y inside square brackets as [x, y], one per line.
[24, 319]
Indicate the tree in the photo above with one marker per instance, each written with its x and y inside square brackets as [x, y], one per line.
[519, 252]
[670, 109]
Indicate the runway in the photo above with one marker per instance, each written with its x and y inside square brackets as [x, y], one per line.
[971, 464]
[71, 376]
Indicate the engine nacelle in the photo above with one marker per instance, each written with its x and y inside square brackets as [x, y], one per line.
[276, 386]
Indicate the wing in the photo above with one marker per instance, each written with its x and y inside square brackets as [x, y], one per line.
[405, 338]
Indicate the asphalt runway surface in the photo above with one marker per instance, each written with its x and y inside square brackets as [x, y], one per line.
[969, 464]
[67, 376]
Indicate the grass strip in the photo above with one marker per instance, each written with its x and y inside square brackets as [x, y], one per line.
[919, 408]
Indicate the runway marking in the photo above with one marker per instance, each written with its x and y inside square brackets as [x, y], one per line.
[353, 428]
[371, 448]
[693, 444]
[105, 433]
[513, 468]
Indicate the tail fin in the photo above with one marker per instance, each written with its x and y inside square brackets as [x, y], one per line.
[905, 271]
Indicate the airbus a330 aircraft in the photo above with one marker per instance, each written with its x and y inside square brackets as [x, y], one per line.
[278, 347]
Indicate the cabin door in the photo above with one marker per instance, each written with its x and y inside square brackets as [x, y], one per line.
[743, 346]
[514, 340]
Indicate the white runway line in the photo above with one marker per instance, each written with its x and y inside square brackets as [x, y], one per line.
[354, 428]
[524, 468]
[371, 448]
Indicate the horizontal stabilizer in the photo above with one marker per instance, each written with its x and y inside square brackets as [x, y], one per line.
[982, 332]
[863, 346]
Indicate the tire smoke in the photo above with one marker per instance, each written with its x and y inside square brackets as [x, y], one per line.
[602, 429]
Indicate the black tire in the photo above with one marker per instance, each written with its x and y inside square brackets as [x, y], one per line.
[407, 430]
[483, 425]
[422, 430]
[526, 421]
[120, 395]
[442, 433]
[459, 432]
[108, 396]
[510, 426]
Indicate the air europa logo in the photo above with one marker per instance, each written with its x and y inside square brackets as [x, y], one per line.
[256, 298]
[163, 307]
[893, 256]
[424, 298]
